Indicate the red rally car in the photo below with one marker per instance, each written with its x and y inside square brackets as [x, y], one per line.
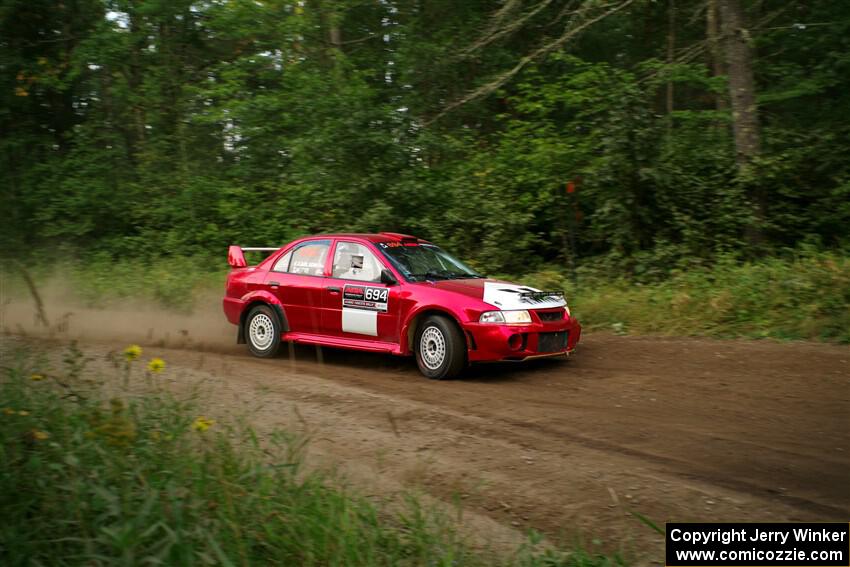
[391, 293]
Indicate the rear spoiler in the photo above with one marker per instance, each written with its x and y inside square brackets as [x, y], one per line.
[236, 256]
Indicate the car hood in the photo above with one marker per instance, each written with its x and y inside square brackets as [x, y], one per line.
[501, 294]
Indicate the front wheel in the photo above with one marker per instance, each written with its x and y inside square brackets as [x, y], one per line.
[440, 348]
[262, 329]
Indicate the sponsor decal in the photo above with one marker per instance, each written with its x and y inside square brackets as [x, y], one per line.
[307, 267]
[360, 307]
[511, 296]
[400, 244]
[539, 296]
[353, 292]
[365, 297]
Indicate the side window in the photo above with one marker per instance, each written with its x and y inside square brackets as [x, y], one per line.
[282, 265]
[309, 258]
[356, 262]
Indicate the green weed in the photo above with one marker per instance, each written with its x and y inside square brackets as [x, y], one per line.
[90, 478]
[806, 296]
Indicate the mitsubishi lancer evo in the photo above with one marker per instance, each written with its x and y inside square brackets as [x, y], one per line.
[391, 293]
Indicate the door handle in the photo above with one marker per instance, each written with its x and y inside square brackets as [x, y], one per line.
[275, 284]
[333, 289]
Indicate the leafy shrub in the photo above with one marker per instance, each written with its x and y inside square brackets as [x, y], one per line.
[804, 296]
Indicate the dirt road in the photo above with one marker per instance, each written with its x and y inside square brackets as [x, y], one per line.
[674, 429]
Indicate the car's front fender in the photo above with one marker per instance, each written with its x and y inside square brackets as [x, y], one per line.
[408, 328]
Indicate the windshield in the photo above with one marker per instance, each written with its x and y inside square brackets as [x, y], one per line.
[419, 262]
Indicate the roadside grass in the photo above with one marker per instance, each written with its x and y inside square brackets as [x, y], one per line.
[174, 283]
[805, 295]
[94, 475]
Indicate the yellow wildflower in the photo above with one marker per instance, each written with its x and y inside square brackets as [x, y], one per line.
[9, 411]
[40, 435]
[202, 424]
[23, 412]
[156, 365]
[132, 352]
[37, 377]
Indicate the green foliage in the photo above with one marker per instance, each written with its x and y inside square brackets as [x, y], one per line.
[98, 281]
[161, 130]
[804, 296]
[91, 478]
[174, 283]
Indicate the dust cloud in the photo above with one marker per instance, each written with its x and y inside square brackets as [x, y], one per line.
[122, 322]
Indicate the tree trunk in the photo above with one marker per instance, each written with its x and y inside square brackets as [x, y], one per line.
[671, 48]
[138, 42]
[329, 23]
[334, 35]
[742, 93]
[745, 126]
[715, 50]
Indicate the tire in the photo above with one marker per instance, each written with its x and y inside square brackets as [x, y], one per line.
[440, 348]
[262, 331]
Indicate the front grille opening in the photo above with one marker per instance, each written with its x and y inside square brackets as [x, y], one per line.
[552, 342]
[549, 316]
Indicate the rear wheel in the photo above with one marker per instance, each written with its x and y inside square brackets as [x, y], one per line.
[440, 348]
[262, 331]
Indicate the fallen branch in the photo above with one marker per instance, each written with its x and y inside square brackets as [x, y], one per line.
[496, 83]
[41, 316]
[494, 33]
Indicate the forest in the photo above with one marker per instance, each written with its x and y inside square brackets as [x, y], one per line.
[636, 139]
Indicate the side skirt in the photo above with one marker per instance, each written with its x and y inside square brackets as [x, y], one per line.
[368, 345]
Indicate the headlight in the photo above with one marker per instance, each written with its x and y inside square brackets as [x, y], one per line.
[505, 317]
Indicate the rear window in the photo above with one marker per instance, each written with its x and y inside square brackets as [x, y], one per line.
[309, 258]
[282, 265]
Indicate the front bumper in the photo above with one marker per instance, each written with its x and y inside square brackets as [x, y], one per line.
[490, 342]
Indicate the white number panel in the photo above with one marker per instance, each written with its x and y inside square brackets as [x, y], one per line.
[360, 307]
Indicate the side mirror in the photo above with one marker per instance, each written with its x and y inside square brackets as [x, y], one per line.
[387, 277]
